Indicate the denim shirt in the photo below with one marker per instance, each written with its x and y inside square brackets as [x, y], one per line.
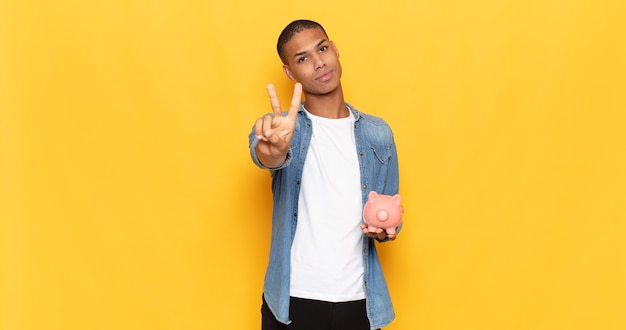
[378, 163]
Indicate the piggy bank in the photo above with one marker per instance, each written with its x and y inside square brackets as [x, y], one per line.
[383, 211]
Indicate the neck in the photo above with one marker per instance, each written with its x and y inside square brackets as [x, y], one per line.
[331, 105]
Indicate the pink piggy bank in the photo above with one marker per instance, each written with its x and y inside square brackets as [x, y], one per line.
[383, 211]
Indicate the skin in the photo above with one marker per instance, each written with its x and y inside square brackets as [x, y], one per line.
[313, 64]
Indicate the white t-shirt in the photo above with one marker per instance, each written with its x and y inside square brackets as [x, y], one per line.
[326, 255]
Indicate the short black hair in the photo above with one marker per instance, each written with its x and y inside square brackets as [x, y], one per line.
[290, 30]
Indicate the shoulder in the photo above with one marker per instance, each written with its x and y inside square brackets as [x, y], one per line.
[373, 120]
[367, 118]
[372, 125]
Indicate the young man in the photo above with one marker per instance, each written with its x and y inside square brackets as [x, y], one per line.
[324, 157]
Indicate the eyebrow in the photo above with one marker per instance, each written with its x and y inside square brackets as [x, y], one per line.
[306, 51]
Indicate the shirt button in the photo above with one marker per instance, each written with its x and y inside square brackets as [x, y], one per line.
[365, 186]
[364, 251]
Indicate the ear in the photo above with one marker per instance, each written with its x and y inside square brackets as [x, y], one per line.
[334, 48]
[372, 196]
[288, 71]
[396, 199]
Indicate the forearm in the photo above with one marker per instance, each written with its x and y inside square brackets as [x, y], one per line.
[271, 161]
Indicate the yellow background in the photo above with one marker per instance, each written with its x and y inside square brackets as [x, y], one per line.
[128, 199]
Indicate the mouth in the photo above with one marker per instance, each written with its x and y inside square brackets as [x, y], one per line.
[326, 76]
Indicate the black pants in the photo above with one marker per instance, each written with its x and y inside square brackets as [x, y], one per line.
[307, 314]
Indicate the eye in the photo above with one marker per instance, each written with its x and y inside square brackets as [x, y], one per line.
[302, 59]
[323, 49]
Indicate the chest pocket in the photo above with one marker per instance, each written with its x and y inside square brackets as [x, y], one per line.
[382, 153]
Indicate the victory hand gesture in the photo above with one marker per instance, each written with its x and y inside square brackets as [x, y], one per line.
[274, 131]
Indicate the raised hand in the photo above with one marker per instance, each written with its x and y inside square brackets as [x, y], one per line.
[274, 131]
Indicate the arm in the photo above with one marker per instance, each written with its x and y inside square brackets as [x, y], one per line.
[391, 187]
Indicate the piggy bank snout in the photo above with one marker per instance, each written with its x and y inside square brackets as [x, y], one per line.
[382, 215]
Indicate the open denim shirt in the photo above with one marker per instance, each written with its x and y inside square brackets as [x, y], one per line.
[378, 163]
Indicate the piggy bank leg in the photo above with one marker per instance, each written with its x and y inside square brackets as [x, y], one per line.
[391, 231]
[372, 229]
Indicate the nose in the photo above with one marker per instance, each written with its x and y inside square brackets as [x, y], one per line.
[382, 215]
[319, 63]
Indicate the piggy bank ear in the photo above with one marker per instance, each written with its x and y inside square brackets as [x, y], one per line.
[372, 196]
[396, 199]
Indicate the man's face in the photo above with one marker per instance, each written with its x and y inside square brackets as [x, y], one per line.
[313, 61]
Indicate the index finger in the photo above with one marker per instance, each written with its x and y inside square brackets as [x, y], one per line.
[295, 100]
